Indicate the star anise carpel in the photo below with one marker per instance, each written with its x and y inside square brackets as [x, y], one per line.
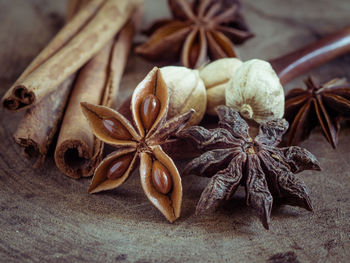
[160, 178]
[198, 30]
[325, 105]
[232, 158]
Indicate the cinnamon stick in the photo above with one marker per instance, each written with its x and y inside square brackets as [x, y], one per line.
[74, 6]
[78, 152]
[86, 34]
[40, 122]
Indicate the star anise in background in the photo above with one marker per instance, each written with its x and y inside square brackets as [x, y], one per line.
[325, 105]
[232, 158]
[198, 29]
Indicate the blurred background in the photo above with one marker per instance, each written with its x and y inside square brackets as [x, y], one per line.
[280, 27]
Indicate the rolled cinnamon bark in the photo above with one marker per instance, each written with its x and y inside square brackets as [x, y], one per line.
[78, 152]
[74, 6]
[40, 122]
[75, 44]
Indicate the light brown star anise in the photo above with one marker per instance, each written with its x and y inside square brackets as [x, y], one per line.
[325, 105]
[232, 158]
[198, 29]
[160, 178]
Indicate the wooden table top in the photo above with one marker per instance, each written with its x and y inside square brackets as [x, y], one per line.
[48, 217]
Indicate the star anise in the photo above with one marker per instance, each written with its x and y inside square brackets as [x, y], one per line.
[325, 105]
[199, 29]
[160, 178]
[232, 158]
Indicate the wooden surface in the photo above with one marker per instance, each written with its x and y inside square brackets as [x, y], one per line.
[48, 217]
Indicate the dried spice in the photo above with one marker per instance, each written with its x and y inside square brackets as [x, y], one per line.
[81, 39]
[232, 158]
[186, 90]
[216, 76]
[256, 92]
[198, 30]
[325, 105]
[160, 178]
[78, 151]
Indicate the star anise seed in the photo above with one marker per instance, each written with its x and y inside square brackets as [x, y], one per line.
[160, 178]
[324, 105]
[198, 30]
[233, 158]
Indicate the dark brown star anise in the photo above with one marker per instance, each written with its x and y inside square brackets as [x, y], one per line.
[198, 29]
[232, 158]
[325, 105]
[160, 178]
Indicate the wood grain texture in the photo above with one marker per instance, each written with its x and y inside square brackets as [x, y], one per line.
[48, 217]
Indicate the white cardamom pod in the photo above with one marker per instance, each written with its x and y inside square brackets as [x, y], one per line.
[216, 76]
[186, 91]
[256, 92]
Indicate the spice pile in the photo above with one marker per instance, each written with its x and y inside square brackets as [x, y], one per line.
[76, 79]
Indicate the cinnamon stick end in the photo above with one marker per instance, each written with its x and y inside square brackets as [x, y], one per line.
[10, 104]
[72, 158]
[20, 99]
[31, 150]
